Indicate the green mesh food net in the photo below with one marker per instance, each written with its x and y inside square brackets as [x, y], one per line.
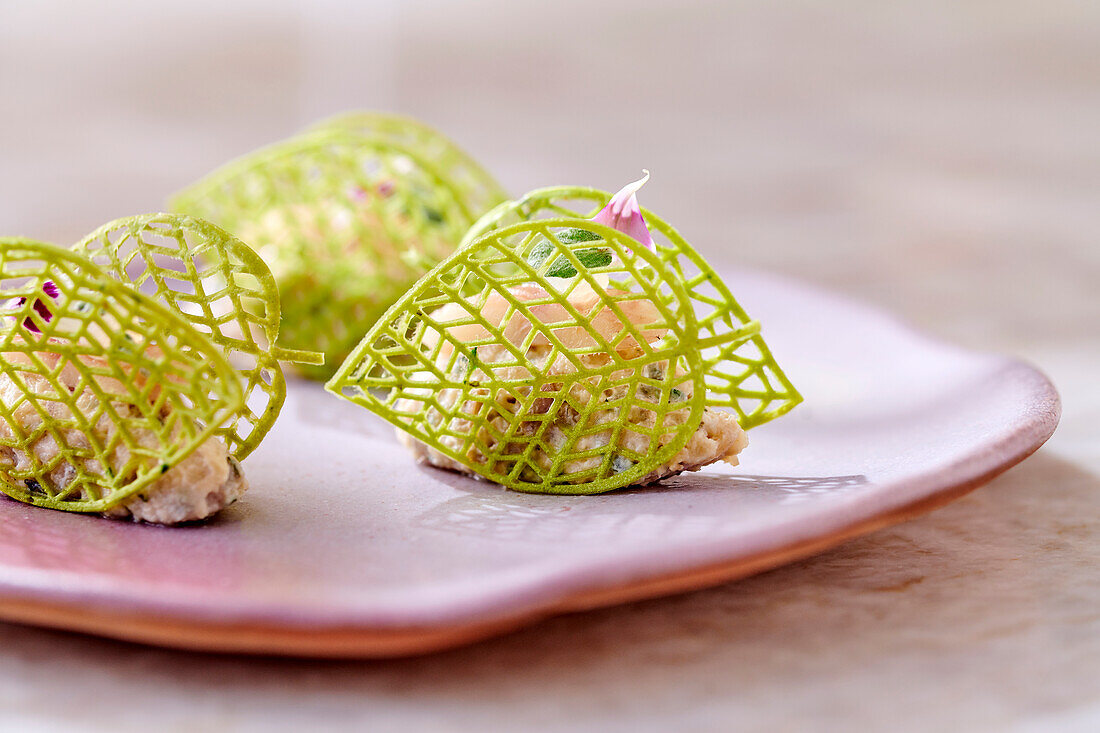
[223, 288]
[553, 354]
[348, 215]
[122, 355]
[480, 191]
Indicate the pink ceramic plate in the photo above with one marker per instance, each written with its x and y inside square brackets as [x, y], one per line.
[344, 547]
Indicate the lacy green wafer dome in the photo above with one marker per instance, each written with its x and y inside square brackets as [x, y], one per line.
[553, 353]
[124, 355]
[348, 215]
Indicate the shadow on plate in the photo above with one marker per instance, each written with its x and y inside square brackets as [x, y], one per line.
[717, 500]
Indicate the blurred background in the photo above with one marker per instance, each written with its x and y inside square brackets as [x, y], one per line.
[940, 159]
[915, 154]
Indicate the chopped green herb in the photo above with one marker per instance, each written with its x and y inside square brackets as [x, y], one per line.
[461, 367]
[676, 395]
[589, 257]
[539, 253]
[464, 365]
[574, 235]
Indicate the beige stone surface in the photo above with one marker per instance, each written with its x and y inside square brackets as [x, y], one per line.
[939, 159]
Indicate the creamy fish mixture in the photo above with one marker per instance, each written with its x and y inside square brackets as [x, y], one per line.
[718, 438]
[208, 480]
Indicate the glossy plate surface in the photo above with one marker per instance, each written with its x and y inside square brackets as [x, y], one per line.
[344, 547]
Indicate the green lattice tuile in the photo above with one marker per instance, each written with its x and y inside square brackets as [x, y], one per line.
[121, 356]
[554, 354]
[348, 215]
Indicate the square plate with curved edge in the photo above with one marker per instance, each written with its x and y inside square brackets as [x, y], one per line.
[345, 547]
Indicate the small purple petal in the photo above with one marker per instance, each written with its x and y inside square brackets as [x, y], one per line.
[623, 213]
[40, 307]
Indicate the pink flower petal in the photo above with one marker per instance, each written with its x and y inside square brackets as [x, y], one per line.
[623, 212]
